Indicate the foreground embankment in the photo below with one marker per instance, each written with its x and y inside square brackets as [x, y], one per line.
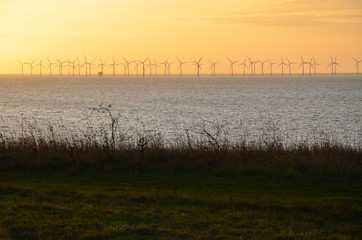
[112, 187]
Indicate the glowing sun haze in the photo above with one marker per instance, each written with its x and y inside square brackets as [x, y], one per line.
[188, 29]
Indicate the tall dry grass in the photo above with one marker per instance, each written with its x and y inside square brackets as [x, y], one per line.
[207, 146]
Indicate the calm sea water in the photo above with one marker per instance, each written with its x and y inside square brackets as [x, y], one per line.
[297, 107]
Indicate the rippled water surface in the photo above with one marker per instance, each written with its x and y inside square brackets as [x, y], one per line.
[299, 107]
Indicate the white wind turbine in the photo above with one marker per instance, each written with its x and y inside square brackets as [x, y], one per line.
[50, 67]
[126, 66]
[333, 64]
[252, 66]
[289, 66]
[180, 63]
[143, 63]
[282, 63]
[113, 66]
[31, 67]
[86, 65]
[314, 65]
[40, 66]
[169, 68]
[198, 66]
[262, 66]
[165, 66]
[150, 65]
[213, 67]
[271, 66]
[155, 65]
[244, 65]
[101, 65]
[22, 67]
[73, 65]
[90, 64]
[232, 66]
[302, 64]
[78, 66]
[357, 63]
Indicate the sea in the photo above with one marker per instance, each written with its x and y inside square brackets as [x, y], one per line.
[295, 108]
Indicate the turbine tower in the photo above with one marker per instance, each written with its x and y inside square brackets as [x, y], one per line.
[282, 63]
[180, 63]
[198, 66]
[232, 66]
[357, 63]
[289, 66]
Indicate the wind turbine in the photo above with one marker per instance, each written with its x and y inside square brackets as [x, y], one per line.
[357, 63]
[126, 65]
[180, 63]
[50, 67]
[150, 66]
[232, 66]
[198, 66]
[86, 65]
[212, 67]
[143, 63]
[90, 64]
[252, 66]
[78, 66]
[113, 66]
[314, 65]
[282, 63]
[155, 65]
[271, 66]
[262, 66]
[302, 64]
[289, 66]
[31, 67]
[101, 64]
[40, 66]
[169, 68]
[333, 65]
[165, 64]
[22, 67]
[244, 65]
[73, 65]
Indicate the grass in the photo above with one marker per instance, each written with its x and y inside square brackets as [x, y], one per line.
[107, 202]
[55, 186]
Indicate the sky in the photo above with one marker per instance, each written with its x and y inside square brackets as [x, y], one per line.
[188, 29]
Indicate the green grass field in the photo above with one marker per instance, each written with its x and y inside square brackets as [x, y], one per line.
[100, 201]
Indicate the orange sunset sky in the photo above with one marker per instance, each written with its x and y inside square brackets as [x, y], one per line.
[188, 29]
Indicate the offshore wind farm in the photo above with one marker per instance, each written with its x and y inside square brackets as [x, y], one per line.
[151, 68]
[181, 119]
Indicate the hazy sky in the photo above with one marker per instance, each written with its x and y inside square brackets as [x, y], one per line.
[188, 29]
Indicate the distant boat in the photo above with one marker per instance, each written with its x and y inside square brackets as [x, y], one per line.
[100, 74]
